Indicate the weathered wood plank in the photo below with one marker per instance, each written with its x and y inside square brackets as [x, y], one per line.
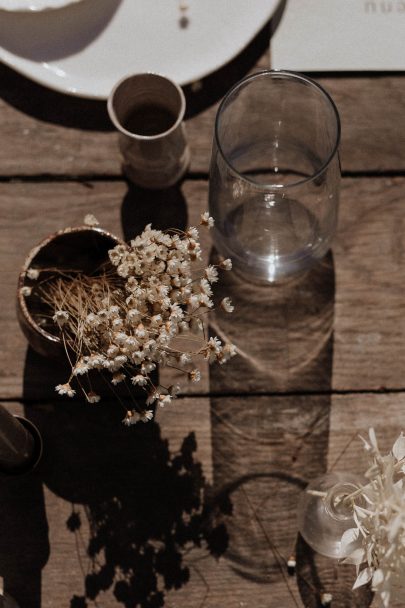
[340, 327]
[256, 452]
[369, 253]
[43, 132]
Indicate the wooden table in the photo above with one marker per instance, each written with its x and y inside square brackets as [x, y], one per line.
[198, 509]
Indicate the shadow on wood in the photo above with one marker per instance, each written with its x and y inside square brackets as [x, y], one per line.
[317, 574]
[24, 545]
[141, 504]
[268, 443]
[163, 209]
[283, 332]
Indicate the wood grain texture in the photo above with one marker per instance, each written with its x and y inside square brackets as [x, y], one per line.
[45, 133]
[341, 327]
[198, 509]
[370, 272]
[256, 454]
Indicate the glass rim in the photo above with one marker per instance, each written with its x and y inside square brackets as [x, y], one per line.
[293, 76]
[136, 136]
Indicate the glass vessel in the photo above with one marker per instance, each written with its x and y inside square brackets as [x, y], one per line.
[323, 515]
[274, 175]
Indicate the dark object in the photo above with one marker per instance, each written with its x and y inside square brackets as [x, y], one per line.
[20, 444]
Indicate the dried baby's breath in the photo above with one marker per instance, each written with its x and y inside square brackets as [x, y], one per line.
[26, 291]
[91, 220]
[32, 273]
[142, 309]
[378, 540]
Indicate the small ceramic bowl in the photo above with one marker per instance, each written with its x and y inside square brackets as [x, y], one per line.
[83, 248]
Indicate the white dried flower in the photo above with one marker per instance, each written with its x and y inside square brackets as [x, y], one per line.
[145, 415]
[25, 291]
[228, 352]
[164, 400]
[211, 274]
[61, 317]
[148, 366]
[96, 361]
[185, 359]
[125, 320]
[117, 378]
[90, 220]
[207, 220]
[130, 418]
[152, 397]
[80, 368]
[120, 360]
[195, 375]
[33, 274]
[226, 264]
[326, 599]
[226, 305]
[139, 380]
[93, 320]
[378, 540]
[192, 233]
[205, 287]
[113, 351]
[93, 397]
[214, 344]
[65, 389]
[133, 315]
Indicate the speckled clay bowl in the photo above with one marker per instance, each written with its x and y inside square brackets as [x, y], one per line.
[83, 248]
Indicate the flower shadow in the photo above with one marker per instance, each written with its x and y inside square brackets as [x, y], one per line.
[24, 543]
[136, 505]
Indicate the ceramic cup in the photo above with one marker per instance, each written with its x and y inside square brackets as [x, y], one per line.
[148, 111]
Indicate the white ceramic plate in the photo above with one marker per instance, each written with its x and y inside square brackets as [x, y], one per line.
[33, 5]
[84, 48]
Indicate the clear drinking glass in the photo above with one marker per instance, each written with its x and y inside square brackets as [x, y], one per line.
[275, 174]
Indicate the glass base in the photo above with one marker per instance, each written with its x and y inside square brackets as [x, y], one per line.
[322, 517]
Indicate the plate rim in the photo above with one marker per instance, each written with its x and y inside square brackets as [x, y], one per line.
[43, 78]
[45, 7]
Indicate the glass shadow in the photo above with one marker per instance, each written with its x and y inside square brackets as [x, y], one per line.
[270, 411]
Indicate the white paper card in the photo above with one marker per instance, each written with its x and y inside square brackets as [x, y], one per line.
[317, 35]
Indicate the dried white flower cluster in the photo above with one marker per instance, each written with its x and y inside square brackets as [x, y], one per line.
[145, 310]
[378, 540]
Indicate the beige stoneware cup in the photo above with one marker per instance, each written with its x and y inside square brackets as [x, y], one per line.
[148, 110]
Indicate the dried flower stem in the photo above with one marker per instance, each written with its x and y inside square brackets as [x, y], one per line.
[141, 309]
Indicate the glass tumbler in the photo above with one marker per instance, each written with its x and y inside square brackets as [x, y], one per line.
[275, 174]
